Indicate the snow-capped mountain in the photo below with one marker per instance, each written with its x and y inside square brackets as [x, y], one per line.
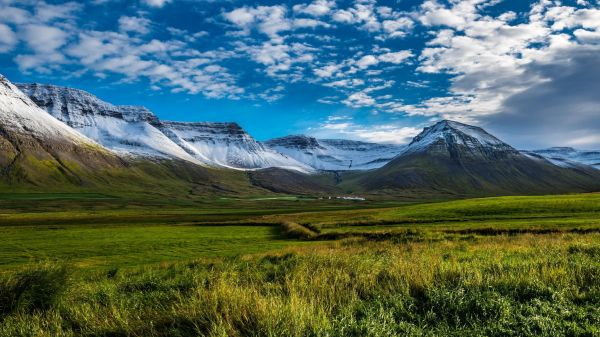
[20, 115]
[568, 156]
[37, 149]
[135, 130]
[227, 145]
[452, 137]
[455, 158]
[125, 129]
[335, 154]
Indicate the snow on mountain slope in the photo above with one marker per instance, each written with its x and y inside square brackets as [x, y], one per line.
[227, 145]
[335, 154]
[568, 156]
[137, 131]
[454, 136]
[19, 114]
[125, 129]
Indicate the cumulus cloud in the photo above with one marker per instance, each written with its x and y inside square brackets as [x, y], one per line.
[278, 57]
[8, 38]
[156, 3]
[496, 62]
[362, 14]
[269, 20]
[134, 24]
[395, 57]
[316, 8]
[367, 61]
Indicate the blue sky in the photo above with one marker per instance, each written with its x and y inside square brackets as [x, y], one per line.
[371, 70]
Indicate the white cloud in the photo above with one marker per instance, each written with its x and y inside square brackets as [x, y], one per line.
[44, 41]
[587, 36]
[134, 24]
[344, 127]
[309, 23]
[367, 61]
[156, 3]
[346, 83]
[327, 71]
[386, 133]
[343, 16]
[43, 38]
[398, 27]
[395, 57]
[8, 39]
[362, 14]
[391, 57]
[279, 58]
[47, 12]
[316, 8]
[359, 100]
[269, 20]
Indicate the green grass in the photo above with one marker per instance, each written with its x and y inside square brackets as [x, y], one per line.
[528, 285]
[507, 212]
[118, 246]
[101, 266]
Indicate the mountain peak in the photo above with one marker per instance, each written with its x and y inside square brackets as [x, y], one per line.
[22, 115]
[454, 137]
[452, 131]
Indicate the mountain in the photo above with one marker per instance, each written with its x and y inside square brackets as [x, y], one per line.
[39, 153]
[136, 131]
[125, 129]
[57, 138]
[227, 145]
[458, 159]
[38, 149]
[569, 157]
[335, 154]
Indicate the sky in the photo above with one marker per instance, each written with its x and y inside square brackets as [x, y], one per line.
[527, 71]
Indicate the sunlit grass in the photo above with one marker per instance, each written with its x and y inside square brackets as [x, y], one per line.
[527, 285]
[510, 266]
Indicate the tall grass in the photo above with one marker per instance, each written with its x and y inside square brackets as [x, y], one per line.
[35, 289]
[466, 285]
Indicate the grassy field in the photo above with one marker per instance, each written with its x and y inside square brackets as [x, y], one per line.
[98, 265]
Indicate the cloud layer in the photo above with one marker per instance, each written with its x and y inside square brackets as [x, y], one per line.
[528, 71]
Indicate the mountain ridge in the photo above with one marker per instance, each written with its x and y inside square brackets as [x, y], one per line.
[125, 145]
[335, 154]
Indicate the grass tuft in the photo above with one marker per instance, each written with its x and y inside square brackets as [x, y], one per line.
[293, 230]
[36, 289]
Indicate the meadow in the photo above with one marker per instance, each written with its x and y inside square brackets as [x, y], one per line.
[504, 266]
